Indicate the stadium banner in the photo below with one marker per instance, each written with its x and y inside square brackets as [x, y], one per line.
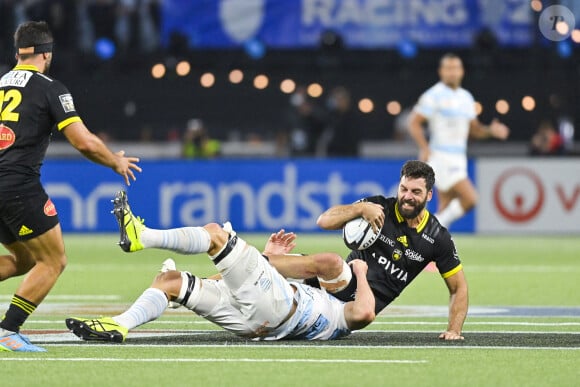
[255, 195]
[361, 23]
[528, 196]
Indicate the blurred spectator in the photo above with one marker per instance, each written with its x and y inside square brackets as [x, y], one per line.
[197, 143]
[401, 125]
[344, 129]
[546, 141]
[306, 123]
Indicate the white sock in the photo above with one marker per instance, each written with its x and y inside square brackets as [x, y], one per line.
[149, 306]
[4, 332]
[185, 240]
[451, 213]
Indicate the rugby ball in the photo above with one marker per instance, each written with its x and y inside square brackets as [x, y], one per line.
[358, 234]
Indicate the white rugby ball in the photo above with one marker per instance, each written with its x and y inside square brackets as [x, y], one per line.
[358, 234]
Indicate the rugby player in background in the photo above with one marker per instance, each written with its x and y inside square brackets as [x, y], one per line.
[32, 105]
[449, 111]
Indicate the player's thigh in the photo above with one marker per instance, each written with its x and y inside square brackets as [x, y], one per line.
[466, 192]
[48, 247]
[444, 198]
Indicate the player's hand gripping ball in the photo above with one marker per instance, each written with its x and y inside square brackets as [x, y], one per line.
[358, 234]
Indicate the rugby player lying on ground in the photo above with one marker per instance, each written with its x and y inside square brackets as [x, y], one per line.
[250, 298]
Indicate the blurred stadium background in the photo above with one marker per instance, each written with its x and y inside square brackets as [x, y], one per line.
[301, 104]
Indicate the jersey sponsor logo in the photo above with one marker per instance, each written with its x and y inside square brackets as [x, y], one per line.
[66, 100]
[49, 208]
[387, 240]
[403, 240]
[7, 137]
[24, 231]
[391, 268]
[428, 238]
[413, 255]
[18, 78]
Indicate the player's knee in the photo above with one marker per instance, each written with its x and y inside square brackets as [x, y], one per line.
[169, 282]
[328, 265]
[216, 232]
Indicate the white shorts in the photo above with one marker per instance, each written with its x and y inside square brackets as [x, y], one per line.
[450, 169]
[261, 300]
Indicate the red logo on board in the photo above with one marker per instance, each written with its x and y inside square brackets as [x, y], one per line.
[7, 137]
[517, 212]
[49, 208]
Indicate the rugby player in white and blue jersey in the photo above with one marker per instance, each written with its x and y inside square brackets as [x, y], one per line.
[248, 297]
[450, 115]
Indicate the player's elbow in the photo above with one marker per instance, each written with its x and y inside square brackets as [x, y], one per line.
[361, 316]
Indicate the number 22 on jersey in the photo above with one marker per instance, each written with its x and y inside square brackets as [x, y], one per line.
[9, 100]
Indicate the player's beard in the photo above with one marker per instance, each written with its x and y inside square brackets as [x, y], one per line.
[413, 212]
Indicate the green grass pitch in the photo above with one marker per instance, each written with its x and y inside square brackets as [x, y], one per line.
[523, 327]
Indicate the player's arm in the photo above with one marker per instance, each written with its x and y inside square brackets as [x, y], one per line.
[416, 123]
[360, 312]
[458, 305]
[336, 217]
[495, 129]
[93, 148]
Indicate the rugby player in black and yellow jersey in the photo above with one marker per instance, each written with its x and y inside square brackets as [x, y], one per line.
[32, 107]
[411, 237]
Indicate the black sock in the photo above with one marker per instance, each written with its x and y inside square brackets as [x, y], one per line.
[17, 313]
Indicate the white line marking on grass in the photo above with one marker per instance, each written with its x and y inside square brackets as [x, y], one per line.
[74, 297]
[218, 360]
[332, 347]
[424, 323]
[522, 323]
[523, 269]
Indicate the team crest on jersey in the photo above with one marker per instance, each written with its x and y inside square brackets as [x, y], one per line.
[397, 254]
[403, 240]
[49, 208]
[7, 137]
[66, 100]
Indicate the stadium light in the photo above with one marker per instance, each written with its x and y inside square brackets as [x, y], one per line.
[183, 68]
[236, 76]
[576, 36]
[287, 86]
[536, 5]
[502, 106]
[366, 105]
[207, 80]
[261, 82]
[528, 103]
[478, 108]
[394, 108]
[158, 71]
[315, 90]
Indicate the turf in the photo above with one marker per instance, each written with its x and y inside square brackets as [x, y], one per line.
[523, 327]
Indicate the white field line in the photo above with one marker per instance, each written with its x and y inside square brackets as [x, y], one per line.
[328, 347]
[217, 360]
[423, 323]
[73, 297]
[522, 269]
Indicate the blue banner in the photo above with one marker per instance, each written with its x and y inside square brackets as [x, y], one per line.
[361, 23]
[255, 195]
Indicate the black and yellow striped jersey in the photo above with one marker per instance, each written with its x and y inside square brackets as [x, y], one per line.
[401, 252]
[32, 105]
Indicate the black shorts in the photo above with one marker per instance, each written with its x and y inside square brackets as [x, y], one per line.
[26, 215]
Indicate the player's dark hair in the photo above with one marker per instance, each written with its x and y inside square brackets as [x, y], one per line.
[449, 55]
[416, 169]
[32, 34]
